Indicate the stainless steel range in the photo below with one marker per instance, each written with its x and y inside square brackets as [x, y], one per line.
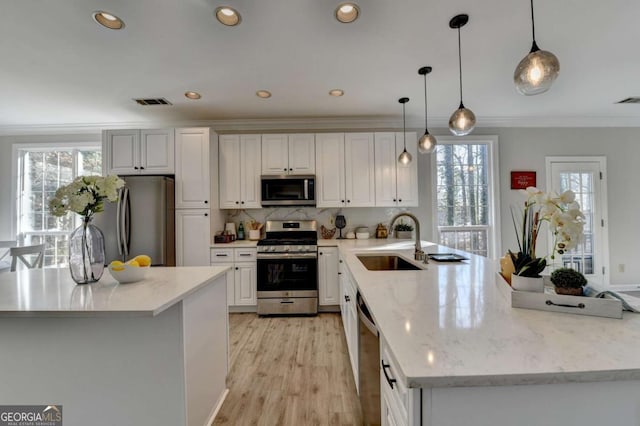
[288, 268]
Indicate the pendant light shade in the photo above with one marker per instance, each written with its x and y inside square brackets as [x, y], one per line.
[538, 70]
[463, 120]
[405, 157]
[427, 143]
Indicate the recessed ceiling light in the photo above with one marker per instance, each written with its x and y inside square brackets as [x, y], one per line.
[336, 92]
[108, 20]
[228, 16]
[192, 95]
[347, 12]
[264, 94]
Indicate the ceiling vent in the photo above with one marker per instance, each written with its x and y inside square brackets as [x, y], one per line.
[153, 101]
[633, 100]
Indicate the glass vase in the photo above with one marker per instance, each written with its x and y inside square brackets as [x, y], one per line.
[86, 253]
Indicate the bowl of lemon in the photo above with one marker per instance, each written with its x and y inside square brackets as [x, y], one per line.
[132, 271]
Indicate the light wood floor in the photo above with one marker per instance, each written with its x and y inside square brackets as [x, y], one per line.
[289, 371]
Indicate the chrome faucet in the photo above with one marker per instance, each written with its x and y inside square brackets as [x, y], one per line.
[418, 254]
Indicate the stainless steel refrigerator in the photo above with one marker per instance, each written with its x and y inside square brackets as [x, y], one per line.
[141, 222]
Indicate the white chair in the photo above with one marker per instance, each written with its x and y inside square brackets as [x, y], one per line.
[19, 253]
[4, 252]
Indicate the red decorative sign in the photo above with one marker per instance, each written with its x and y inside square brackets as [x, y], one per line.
[523, 180]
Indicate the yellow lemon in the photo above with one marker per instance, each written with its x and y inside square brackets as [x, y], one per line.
[143, 260]
[116, 263]
[133, 263]
[117, 268]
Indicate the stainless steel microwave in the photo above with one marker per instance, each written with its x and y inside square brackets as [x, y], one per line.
[288, 190]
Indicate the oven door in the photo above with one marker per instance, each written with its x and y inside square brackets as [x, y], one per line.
[287, 275]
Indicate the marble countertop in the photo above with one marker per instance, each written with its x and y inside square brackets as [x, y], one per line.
[450, 325]
[236, 244]
[51, 292]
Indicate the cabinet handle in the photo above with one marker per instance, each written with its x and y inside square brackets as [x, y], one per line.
[206, 214]
[221, 255]
[400, 200]
[290, 170]
[245, 254]
[347, 298]
[285, 169]
[320, 253]
[348, 201]
[135, 168]
[342, 201]
[237, 202]
[340, 261]
[141, 168]
[339, 273]
[384, 370]
[394, 200]
[206, 202]
[236, 268]
[241, 202]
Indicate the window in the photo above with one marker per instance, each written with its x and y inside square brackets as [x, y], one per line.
[585, 177]
[466, 194]
[41, 171]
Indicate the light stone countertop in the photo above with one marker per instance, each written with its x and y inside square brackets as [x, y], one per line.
[51, 292]
[451, 325]
[236, 244]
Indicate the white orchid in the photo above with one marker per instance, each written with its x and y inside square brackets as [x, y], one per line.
[85, 195]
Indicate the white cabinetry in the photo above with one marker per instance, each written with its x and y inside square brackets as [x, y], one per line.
[349, 314]
[288, 154]
[396, 184]
[345, 170]
[399, 405]
[242, 278]
[193, 184]
[239, 168]
[132, 152]
[192, 237]
[328, 287]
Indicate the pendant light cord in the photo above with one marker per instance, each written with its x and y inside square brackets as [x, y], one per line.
[533, 24]
[426, 126]
[460, 64]
[404, 131]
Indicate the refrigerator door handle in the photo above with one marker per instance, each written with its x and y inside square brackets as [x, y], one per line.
[126, 224]
[118, 220]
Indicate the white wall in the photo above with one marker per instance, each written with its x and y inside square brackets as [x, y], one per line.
[519, 149]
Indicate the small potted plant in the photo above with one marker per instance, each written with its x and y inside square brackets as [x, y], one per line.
[403, 231]
[568, 281]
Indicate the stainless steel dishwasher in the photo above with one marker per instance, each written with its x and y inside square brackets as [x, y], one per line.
[368, 364]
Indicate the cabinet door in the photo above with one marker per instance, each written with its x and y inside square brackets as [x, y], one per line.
[385, 169]
[330, 170]
[193, 230]
[250, 166]
[245, 283]
[275, 155]
[121, 149]
[328, 287]
[407, 175]
[157, 151]
[302, 154]
[193, 185]
[359, 170]
[229, 171]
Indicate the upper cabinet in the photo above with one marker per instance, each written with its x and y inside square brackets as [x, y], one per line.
[132, 152]
[396, 184]
[292, 154]
[345, 170]
[193, 183]
[239, 171]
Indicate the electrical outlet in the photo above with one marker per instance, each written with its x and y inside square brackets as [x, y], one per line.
[621, 267]
[330, 220]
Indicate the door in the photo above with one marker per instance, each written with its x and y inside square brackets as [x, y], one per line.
[193, 187]
[359, 170]
[385, 169]
[328, 288]
[250, 166]
[585, 177]
[302, 154]
[245, 284]
[157, 151]
[287, 273]
[122, 151]
[407, 174]
[229, 171]
[192, 237]
[330, 170]
[275, 155]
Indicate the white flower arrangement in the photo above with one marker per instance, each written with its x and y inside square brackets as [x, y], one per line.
[85, 195]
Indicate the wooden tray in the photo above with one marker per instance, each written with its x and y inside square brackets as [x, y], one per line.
[552, 302]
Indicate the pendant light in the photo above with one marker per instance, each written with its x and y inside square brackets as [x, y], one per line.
[463, 120]
[405, 157]
[538, 70]
[427, 143]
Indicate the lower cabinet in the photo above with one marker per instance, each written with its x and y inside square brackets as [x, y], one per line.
[328, 287]
[192, 237]
[349, 313]
[242, 277]
[399, 405]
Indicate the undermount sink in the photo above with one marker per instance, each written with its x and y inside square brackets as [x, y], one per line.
[389, 262]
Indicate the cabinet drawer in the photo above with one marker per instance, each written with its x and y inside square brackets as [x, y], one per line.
[221, 255]
[399, 395]
[245, 255]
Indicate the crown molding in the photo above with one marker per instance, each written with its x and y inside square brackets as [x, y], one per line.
[322, 124]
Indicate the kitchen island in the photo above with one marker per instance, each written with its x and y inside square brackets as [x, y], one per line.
[147, 353]
[462, 355]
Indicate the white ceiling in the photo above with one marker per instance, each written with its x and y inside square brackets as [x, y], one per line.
[60, 68]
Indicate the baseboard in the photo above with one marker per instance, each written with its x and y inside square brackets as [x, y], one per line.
[329, 308]
[217, 407]
[242, 309]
